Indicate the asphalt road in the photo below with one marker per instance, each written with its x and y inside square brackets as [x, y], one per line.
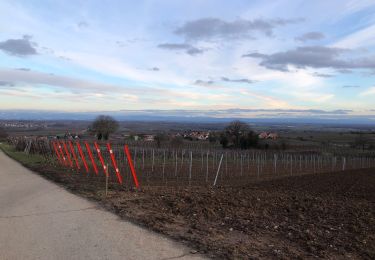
[40, 220]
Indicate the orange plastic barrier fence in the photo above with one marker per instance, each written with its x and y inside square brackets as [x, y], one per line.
[67, 154]
[82, 156]
[91, 157]
[74, 155]
[101, 158]
[119, 177]
[130, 161]
[57, 152]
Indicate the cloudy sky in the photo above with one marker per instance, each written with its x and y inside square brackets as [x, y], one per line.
[286, 55]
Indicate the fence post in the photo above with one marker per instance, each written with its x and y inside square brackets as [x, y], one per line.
[106, 183]
[291, 164]
[207, 168]
[218, 169]
[163, 165]
[143, 159]
[190, 166]
[175, 170]
[275, 163]
[153, 160]
[241, 164]
[257, 158]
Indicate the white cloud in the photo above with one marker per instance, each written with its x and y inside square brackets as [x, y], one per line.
[358, 39]
[368, 92]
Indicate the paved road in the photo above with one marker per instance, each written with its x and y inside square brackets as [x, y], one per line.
[40, 220]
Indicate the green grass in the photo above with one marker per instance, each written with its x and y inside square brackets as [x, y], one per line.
[30, 160]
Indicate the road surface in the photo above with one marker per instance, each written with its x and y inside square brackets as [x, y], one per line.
[40, 220]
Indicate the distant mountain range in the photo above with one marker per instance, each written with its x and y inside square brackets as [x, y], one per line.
[250, 115]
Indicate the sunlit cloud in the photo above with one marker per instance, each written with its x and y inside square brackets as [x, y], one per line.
[153, 55]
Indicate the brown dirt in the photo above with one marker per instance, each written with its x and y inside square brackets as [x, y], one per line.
[329, 215]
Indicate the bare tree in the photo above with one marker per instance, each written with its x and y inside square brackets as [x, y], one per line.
[177, 141]
[235, 130]
[361, 141]
[159, 138]
[3, 134]
[103, 126]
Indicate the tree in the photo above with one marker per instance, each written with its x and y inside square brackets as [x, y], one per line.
[238, 135]
[224, 140]
[3, 134]
[212, 137]
[159, 138]
[252, 139]
[235, 130]
[103, 126]
[177, 141]
[361, 141]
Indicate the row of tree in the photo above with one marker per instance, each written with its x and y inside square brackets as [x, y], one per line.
[236, 134]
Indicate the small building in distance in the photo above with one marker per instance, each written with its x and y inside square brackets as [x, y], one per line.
[266, 135]
[196, 135]
[149, 138]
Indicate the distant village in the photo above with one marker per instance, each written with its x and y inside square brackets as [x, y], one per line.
[22, 124]
[193, 136]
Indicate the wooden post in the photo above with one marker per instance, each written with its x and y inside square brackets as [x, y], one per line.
[182, 158]
[275, 163]
[226, 163]
[241, 164]
[175, 170]
[163, 165]
[190, 166]
[258, 166]
[106, 181]
[291, 165]
[202, 161]
[135, 156]
[153, 161]
[248, 161]
[143, 159]
[207, 168]
[314, 165]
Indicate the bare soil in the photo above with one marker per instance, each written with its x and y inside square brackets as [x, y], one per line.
[329, 215]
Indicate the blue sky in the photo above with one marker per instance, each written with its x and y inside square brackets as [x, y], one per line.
[291, 56]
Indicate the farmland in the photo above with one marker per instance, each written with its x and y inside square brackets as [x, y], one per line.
[311, 199]
[328, 215]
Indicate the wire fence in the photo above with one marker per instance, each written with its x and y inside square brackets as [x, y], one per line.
[181, 166]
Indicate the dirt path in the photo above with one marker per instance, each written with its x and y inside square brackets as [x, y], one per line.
[40, 220]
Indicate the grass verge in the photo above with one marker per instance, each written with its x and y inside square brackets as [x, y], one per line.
[34, 160]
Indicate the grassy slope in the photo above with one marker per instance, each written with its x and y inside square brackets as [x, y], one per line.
[29, 160]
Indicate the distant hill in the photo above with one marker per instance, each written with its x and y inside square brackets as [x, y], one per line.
[273, 116]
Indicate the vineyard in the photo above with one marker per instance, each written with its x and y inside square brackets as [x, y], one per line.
[147, 165]
[228, 204]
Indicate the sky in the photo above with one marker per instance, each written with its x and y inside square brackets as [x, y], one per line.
[285, 57]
